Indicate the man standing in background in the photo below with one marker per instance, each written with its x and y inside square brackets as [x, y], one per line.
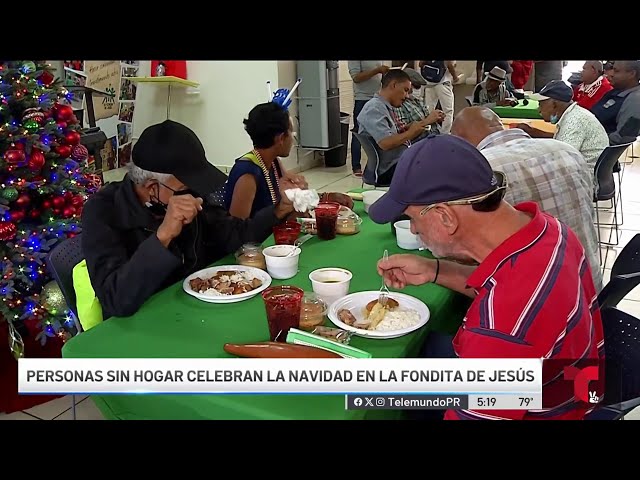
[440, 76]
[367, 79]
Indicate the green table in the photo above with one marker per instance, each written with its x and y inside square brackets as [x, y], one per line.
[529, 111]
[172, 324]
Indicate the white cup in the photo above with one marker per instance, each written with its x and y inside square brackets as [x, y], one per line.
[330, 284]
[404, 238]
[369, 197]
[279, 264]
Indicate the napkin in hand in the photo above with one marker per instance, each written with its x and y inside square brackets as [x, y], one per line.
[303, 200]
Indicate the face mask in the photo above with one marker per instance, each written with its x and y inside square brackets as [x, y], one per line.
[554, 119]
[155, 206]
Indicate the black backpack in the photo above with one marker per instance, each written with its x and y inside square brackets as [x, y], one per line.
[433, 70]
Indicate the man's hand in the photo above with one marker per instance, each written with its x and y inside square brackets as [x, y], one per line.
[181, 210]
[285, 206]
[297, 180]
[340, 198]
[526, 127]
[406, 269]
[416, 128]
[434, 117]
[383, 69]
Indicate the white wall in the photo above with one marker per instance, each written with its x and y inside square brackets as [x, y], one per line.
[227, 92]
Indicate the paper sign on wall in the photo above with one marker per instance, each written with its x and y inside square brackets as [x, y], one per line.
[105, 76]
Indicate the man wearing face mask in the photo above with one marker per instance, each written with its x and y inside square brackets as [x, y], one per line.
[575, 125]
[153, 229]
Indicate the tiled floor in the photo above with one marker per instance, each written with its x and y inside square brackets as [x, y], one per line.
[340, 180]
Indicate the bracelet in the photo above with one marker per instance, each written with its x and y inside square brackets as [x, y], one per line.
[437, 270]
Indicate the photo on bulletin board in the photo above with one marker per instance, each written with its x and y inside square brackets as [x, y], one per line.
[124, 155]
[133, 63]
[77, 65]
[128, 71]
[75, 78]
[124, 133]
[126, 111]
[127, 89]
[108, 154]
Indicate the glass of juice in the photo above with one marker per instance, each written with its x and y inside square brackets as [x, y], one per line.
[326, 219]
[286, 233]
[283, 305]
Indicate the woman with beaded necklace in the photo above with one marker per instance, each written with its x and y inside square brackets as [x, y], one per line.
[253, 181]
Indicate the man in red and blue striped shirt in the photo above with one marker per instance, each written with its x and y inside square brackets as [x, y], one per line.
[533, 291]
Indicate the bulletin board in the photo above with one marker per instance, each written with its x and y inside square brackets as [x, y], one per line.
[114, 115]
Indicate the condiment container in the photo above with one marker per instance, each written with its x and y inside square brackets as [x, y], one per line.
[250, 255]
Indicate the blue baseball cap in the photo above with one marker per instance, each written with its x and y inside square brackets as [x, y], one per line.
[555, 90]
[438, 169]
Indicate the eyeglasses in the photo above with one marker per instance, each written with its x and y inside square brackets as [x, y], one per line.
[184, 191]
[502, 188]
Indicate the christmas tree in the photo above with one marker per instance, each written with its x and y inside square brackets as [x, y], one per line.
[43, 186]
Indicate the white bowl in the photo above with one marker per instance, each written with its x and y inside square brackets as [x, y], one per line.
[404, 238]
[370, 196]
[330, 284]
[279, 264]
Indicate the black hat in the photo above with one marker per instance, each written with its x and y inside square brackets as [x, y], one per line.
[172, 148]
[556, 90]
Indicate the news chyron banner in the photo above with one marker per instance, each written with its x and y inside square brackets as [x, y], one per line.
[498, 384]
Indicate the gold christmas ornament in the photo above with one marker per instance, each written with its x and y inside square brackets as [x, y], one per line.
[15, 342]
[52, 299]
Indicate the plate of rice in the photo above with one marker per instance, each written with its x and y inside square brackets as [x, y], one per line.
[361, 314]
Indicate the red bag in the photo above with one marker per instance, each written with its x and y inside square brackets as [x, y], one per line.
[173, 68]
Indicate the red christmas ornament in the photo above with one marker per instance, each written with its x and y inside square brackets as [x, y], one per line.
[63, 150]
[77, 201]
[46, 204]
[94, 180]
[17, 215]
[35, 213]
[72, 138]
[57, 211]
[62, 125]
[18, 146]
[36, 161]
[64, 113]
[23, 200]
[7, 230]
[67, 197]
[71, 234]
[58, 202]
[46, 78]
[14, 156]
[79, 153]
[68, 212]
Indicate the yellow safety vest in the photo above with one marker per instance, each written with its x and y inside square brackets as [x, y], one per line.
[87, 304]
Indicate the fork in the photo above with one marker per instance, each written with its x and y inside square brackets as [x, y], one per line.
[384, 290]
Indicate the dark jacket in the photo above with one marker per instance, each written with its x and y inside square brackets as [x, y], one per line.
[127, 263]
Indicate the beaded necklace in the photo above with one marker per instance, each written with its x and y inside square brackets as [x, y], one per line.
[267, 177]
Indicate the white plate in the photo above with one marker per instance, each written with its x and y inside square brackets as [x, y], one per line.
[211, 271]
[356, 303]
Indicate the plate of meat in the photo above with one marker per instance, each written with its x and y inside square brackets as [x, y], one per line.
[226, 284]
[362, 314]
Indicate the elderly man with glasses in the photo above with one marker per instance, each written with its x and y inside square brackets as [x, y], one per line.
[527, 273]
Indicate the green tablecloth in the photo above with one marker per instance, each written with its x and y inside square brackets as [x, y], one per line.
[529, 111]
[173, 324]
